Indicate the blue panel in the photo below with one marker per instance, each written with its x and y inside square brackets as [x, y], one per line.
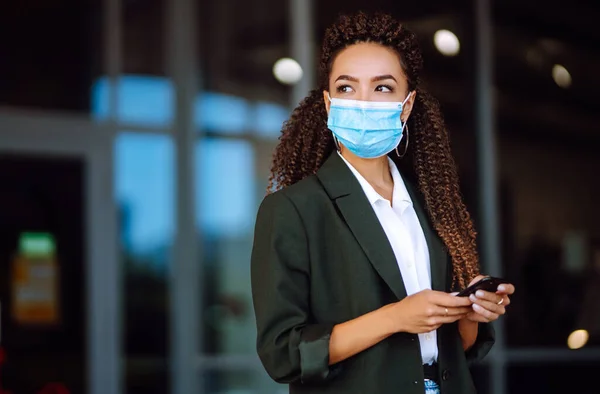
[144, 176]
[222, 113]
[225, 186]
[270, 118]
[148, 101]
[142, 100]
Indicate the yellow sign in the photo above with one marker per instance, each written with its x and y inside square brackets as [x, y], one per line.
[35, 292]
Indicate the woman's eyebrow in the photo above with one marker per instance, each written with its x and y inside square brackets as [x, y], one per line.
[383, 77]
[377, 78]
[346, 78]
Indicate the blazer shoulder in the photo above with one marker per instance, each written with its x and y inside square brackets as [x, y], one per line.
[303, 196]
[307, 188]
[307, 191]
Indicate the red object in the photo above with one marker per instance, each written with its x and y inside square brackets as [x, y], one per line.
[50, 388]
[2, 360]
[53, 388]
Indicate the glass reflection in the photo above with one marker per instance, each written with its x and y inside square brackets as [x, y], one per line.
[250, 381]
[148, 101]
[226, 198]
[144, 165]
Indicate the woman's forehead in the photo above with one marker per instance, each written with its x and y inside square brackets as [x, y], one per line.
[367, 60]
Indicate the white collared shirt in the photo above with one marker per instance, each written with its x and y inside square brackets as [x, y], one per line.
[401, 225]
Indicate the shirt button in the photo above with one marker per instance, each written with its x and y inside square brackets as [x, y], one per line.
[427, 336]
[445, 375]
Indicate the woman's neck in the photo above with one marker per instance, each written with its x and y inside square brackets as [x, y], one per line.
[375, 171]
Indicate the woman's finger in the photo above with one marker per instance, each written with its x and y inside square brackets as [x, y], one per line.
[505, 301]
[450, 311]
[474, 316]
[446, 300]
[488, 296]
[493, 307]
[439, 320]
[506, 288]
[488, 314]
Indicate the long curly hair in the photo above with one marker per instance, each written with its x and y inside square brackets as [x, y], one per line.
[306, 142]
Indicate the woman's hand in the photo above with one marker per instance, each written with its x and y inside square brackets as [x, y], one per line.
[489, 306]
[427, 310]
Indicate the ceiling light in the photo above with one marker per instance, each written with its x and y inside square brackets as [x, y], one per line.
[561, 76]
[446, 42]
[577, 339]
[535, 57]
[287, 71]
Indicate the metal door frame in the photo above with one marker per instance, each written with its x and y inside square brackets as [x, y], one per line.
[35, 133]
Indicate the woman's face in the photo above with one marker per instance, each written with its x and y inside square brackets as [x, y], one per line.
[369, 72]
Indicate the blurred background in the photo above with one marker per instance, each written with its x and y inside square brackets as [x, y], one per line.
[135, 146]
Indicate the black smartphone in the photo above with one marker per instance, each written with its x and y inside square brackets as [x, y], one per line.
[489, 283]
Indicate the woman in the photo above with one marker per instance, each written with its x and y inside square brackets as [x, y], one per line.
[356, 253]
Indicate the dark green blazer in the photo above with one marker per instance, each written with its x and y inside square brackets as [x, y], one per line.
[320, 258]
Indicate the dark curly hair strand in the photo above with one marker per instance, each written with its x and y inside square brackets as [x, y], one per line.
[306, 142]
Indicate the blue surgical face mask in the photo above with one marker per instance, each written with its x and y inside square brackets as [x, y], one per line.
[369, 129]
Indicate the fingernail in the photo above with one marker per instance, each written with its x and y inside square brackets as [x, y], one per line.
[476, 307]
[473, 298]
[501, 288]
[480, 294]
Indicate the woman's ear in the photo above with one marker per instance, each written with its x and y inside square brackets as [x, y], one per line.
[327, 100]
[408, 106]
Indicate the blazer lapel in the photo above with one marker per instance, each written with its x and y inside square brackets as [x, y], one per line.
[344, 189]
[437, 252]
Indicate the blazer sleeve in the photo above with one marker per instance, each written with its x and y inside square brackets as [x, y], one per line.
[486, 337]
[289, 345]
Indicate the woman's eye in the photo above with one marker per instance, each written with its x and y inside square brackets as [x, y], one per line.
[384, 89]
[344, 89]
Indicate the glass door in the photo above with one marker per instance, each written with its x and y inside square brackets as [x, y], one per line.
[59, 281]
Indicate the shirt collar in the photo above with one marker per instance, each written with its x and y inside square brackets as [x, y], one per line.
[400, 197]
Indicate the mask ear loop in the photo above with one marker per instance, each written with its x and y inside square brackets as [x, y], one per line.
[335, 140]
[407, 133]
[405, 145]
[406, 99]
[337, 144]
